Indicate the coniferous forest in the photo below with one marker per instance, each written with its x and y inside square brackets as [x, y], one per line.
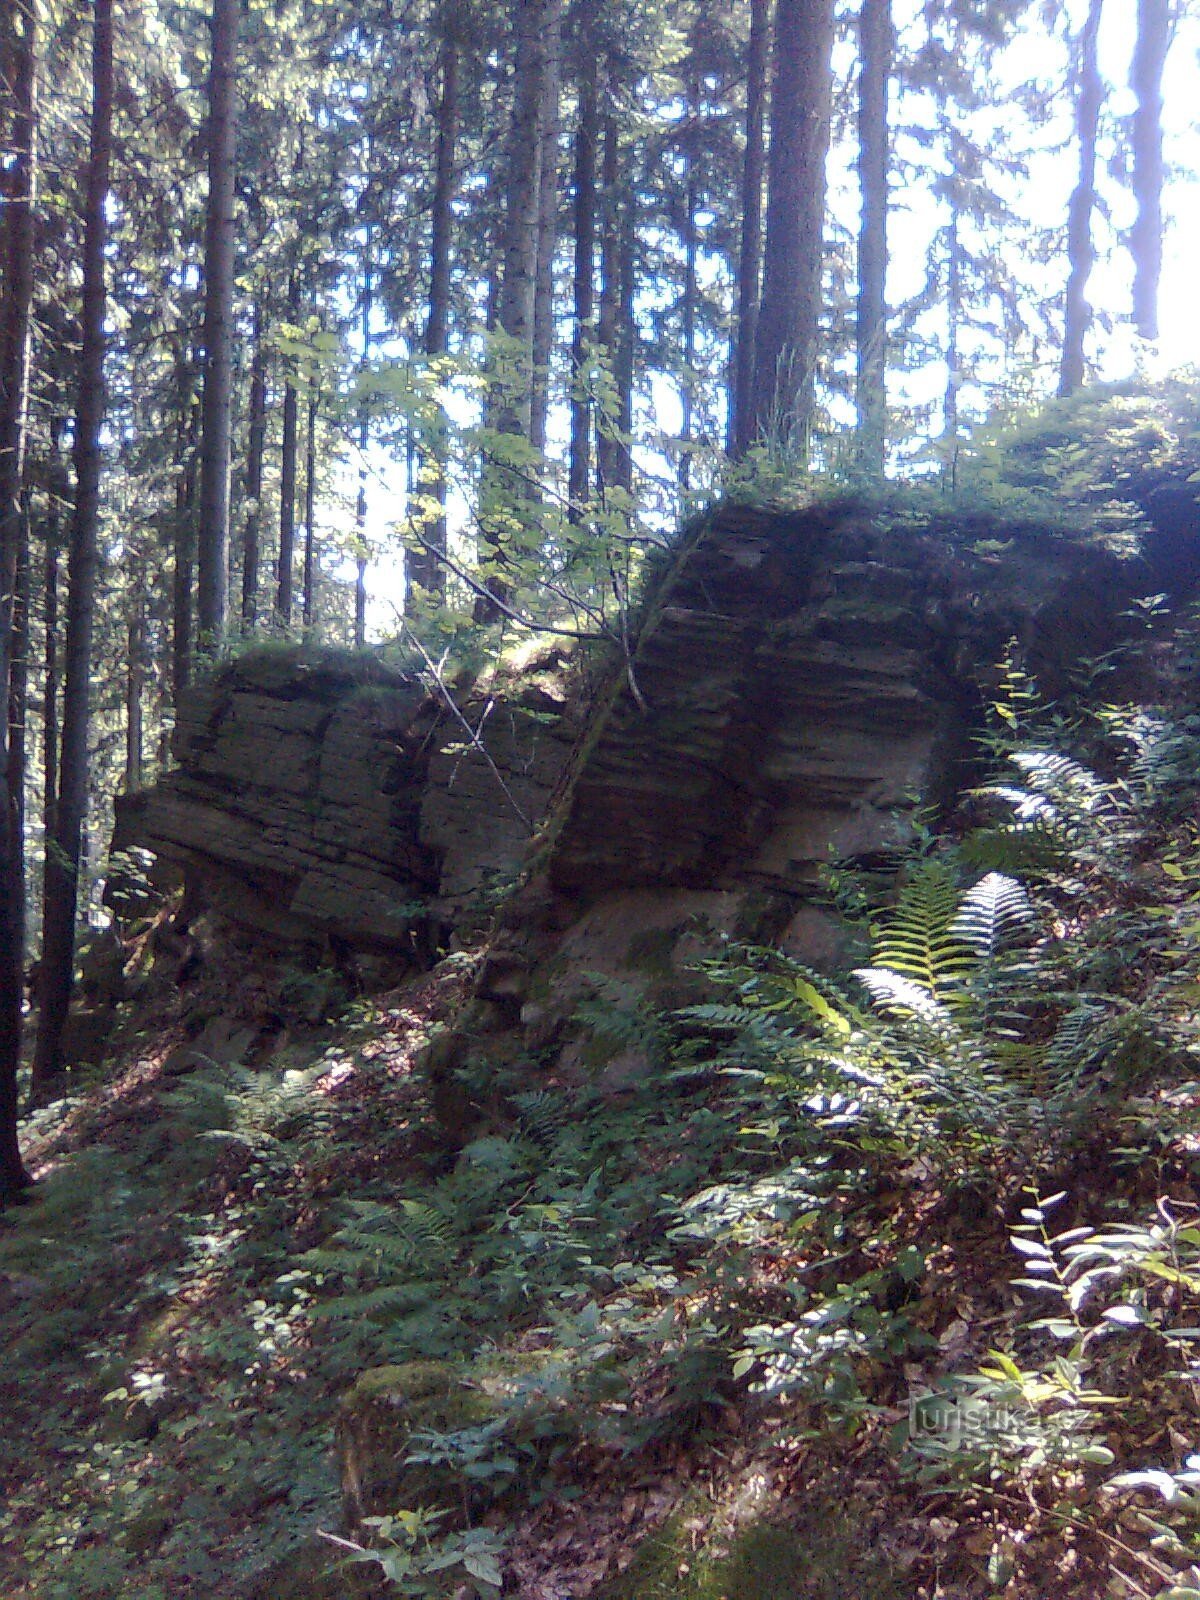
[599, 841]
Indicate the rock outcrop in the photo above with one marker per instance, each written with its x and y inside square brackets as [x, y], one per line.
[801, 683]
[332, 798]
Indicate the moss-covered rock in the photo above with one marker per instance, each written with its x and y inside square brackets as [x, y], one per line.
[379, 1417]
[389, 1405]
[823, 1558]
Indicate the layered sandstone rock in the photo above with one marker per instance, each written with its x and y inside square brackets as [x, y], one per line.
[331, 797]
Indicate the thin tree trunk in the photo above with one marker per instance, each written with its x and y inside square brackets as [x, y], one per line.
[360, 603]
[1146, 236]
[749, 282]
[875, 52]
[18, 708]
[213, 540]
[252, 531]
[789, 315]
[1081, 251]
[287, 507]
[16, 297]
[547, 230]
[58, 490]
[584, 288]
[608, 446]
[626, 360]
[424, 570]
[310, 502]
[186, 484]
[364, 440]
[954, 312]
[62, 877]
[135, 680]
[691, 250]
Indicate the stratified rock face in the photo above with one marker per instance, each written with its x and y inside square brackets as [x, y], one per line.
[803, 680]
[802, 684]
[333, 797]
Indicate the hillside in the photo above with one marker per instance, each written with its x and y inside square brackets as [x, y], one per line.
[768, 1171]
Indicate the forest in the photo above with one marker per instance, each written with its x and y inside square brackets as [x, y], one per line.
[598, 845]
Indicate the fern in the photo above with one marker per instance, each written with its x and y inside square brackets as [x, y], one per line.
[920, 940]
[897, 995]
[992, 914]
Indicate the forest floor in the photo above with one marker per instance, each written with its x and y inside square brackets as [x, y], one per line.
[726, 1320]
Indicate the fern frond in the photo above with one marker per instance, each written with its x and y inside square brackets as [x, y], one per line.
[903, 997]
[991, 914]
[918, 940]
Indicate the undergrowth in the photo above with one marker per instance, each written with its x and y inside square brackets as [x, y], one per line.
[786, 1246]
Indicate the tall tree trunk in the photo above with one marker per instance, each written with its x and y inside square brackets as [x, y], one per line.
[58, 490]
[18, 708]
[536, 23]
[875, 54]
[749, 277]
[187, 465]
[310, 504]
[256, 451]
[532, 22]
[691, 250]
[287, 507]
[608, 333]
[62, 876]
[364, 440]
[16, 298]
[212, 589]
[1146, 237]
[135, 677]
[584, 286]
[954, 316]
[1081, 251]
[626, 347]
[789, 315]
[547, 231]
[424, 570]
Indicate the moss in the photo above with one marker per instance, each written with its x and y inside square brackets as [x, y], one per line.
[383, 1410]
[823, 1558]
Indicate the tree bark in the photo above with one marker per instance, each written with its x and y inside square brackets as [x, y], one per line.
[20, 37]
[310, 503]
[608, 442]
[187, 469]
[954, 316]
[536, 24]
[1146, 237]
[364, 439]
[135, 678]
[58, 491]
[584, 285]
[691, 251]
[547, 229]
[788, 319]
[62, 876]
[212, 597]
[749, 277]
[875, 54]
[287, 507]
[423, 569]
[1081, 251]
[256, 451]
